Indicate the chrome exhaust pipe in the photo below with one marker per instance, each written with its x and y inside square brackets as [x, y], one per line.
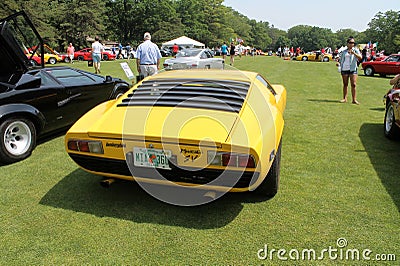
[106, 183]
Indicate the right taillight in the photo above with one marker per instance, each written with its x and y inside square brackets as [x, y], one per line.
[231, 159]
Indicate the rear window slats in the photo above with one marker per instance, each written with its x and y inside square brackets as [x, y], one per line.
[191, 93]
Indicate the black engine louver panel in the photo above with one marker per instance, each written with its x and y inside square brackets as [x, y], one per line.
[190, 93]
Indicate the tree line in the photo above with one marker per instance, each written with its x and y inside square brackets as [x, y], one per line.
[208, 21]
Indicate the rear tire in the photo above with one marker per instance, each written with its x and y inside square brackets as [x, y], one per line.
[18, 139]
[269, 186]
[52, 61]
[304, 58]
[390, 128]
[369, 71]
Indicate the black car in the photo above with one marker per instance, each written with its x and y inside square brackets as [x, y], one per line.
[36, 102]
[165, 52]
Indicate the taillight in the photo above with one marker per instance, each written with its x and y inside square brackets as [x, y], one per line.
[86, 146]
[231, 159]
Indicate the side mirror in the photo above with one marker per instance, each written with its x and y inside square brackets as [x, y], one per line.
[108, 79]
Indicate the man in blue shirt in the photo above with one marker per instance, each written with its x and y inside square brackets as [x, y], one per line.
[148, 57]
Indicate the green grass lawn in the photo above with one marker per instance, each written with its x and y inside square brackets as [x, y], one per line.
[339, 179]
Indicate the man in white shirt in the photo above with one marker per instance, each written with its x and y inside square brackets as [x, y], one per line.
[97, 50]
[148, 57]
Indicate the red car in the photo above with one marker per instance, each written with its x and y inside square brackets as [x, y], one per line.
[86, 54]
[388, 66]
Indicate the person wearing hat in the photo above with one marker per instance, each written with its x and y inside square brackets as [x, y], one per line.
[148, 57]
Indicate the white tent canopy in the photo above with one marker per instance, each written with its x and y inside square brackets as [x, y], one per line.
[184, 41]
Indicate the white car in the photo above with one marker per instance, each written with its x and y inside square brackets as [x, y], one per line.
[194, 58]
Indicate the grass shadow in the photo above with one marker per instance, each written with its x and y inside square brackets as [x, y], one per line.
[384, 155]
[80, 191]
[378, 109]
[324, 101]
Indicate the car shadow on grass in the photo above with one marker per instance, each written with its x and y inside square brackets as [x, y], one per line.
[384, 155]
[81, 192]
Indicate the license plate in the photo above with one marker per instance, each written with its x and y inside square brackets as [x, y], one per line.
[153, 158]
[180, 66]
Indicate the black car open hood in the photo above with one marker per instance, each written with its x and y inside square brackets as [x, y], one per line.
[17, 37]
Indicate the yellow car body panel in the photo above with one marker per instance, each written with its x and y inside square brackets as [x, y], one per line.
[312, 57]
[189, 134]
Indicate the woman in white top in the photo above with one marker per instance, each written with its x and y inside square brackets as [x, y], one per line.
[97, 50]
[348, 63]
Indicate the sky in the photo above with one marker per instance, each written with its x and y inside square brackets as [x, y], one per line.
[334, 15]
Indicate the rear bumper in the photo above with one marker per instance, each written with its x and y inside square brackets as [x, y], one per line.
[237, 181]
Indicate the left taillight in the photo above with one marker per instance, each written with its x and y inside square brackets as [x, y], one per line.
[85, 146]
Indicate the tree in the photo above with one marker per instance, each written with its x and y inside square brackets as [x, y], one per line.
[385, 29]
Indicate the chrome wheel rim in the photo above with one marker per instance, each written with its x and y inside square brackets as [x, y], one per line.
[389, 119]
[17, 138]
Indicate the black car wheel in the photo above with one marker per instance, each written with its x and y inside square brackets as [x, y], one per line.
[105, 57]
[80, 58]
[304, 58]
[369, 71]
[326, 59]
[269, 186]
[390, 128]
[118, 93]
[18, 139]
[52, 60]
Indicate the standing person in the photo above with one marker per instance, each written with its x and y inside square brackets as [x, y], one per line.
[240, 50]
[97, 52]
[348, 65]
[148, 57]
[175, 49]
[224, 50]
[70, 52]
[232, 53]
[364, 54]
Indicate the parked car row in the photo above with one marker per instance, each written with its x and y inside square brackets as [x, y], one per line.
[86, 55]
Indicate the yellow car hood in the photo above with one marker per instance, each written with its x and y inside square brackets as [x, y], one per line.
[151, 123]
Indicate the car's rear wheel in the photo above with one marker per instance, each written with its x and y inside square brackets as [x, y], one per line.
[390, 128]
[269, 186]
[105, 57]
[80, 58]
[326, 59]
[369, 71]
[118, 93]
[304, 58]
[52, 60]
[18, 139]
[66, 59]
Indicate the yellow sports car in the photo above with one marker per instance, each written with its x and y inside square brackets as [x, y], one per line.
[214, 130]
[311, 56]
